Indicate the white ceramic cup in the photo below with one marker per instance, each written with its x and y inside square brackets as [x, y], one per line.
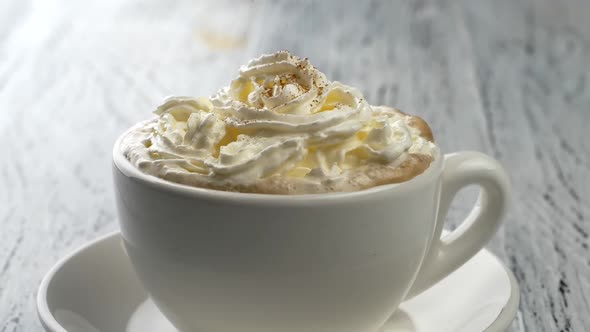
[217, 261]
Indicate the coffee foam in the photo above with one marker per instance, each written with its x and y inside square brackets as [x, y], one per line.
[365, 177]
[280, 128]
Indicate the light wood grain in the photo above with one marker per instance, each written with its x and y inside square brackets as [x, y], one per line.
[507, 78]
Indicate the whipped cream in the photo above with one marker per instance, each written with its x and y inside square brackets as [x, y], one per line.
[280, 118]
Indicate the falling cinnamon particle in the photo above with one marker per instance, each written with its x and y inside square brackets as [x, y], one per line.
[220, 41]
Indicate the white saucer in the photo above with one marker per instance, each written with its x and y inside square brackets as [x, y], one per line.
[95, 289]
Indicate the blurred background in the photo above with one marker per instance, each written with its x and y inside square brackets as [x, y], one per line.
[509, 78]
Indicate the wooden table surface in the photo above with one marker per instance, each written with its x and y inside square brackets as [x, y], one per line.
[509, 78]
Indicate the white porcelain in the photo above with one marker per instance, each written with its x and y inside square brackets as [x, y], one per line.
[219, 261]
[95, 289]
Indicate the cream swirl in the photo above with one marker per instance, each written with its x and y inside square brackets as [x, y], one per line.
[280, 82]
[280, 117]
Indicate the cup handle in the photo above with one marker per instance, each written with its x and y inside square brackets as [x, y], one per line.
[447, 254]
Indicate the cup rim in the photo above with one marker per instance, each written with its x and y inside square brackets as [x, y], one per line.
[125, 167]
